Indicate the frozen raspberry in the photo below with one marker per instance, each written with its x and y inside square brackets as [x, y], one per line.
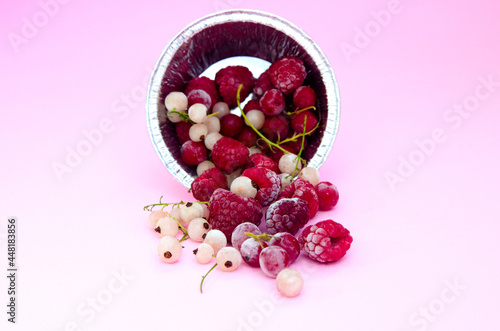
[229, 79]
[210, 180]
[304, 97]
[199, 96]
[297, 122]
[231, 125]
[247, 136]
[328, 195]
[287, 74]
[272, 102]
[287, 215]
[275, 128]
[263, 84]
[229, 154]
[304, 190]
[268, 182]
[193, 153]
[228, 210]
[182, 130]
[207, 85]
[253, 104]
[261, 160]
[325, 241]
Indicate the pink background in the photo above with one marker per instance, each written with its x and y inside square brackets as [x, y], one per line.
[437, 226]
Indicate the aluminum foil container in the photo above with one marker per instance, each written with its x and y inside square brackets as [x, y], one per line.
[257, 39]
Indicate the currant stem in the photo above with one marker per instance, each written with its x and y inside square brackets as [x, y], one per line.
[270, 143]
[258, 237]
[213, 114]
[300, 110]
[203, 278]
[301, 149]
[183, 116]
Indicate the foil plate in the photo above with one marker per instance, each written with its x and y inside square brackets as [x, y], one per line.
[205, 43]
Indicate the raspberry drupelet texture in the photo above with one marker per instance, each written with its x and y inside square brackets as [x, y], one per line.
[287, 215]
[229, 154]
[261, 160]
[304, 190]
[268, 182]
[325, 241]
[229, 79]
[287, 74]
[228, 210]
[263, 84]
[204, 186]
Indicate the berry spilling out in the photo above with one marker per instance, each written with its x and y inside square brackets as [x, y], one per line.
[287, 215]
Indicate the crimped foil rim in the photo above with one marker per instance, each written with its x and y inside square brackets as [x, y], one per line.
[241, 15]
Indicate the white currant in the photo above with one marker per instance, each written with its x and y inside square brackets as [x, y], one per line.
[198, 112]
[176, 101]
[204, 253]
[190, 211]
[198, 228]
[288, 163]
[244, 187]
[289, 282]
[310, 174]
[221, 108]
[169, 249]
[205, 165]
[167, 226]
[216, 239]
[228, 259]
[256, 118]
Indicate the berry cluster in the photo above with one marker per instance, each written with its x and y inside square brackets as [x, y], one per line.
[250, 168]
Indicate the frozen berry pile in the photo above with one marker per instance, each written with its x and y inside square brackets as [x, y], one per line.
[255, 195]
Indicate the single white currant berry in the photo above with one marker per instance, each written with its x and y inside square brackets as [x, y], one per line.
[206, 211]
[255, 150]
[175, 213]
[198, 228]
[198, 112]
[211, 139]
[228, 259]
[169, 249]
[288, 162]
[216, 239]
[167, 226]
[190, 211]
[176, 101]
[310, 174]
[205, 165]
[204, 253]
[244, 187]
[256, 118]
[232, 176]
[212, 123]
[198, 132]
[221, 108]
[286, 180]
[289, 282]
[155, 216]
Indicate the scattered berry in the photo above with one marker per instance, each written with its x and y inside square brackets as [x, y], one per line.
[328, 195]
[288, 242]
[268, 184]
[238, 236]
[304, 97]
[175, 213]
[325, 241]
[228, 210]
[190, 211]
[229, 79]
[272, 260]
[228, 259]
[250, 251]
[311, 175]
[216, 239]
[193, 153]
[272, 102]
[244, 187]
[289, 282]
[287, 215]
[204, 253]
[229, 154]
[204, 186]
[155, 216]
[198, 228]
[169, 249]
[287, 74]
[304, 190]
[167, 226]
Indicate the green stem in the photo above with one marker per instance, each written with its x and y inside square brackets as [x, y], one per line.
[300, 110]
[203, 278]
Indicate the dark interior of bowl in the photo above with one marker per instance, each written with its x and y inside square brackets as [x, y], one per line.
[229, 39]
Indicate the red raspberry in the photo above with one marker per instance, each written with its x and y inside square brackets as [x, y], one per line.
[287, 215]
[263, 84]
[205, 84]
[229, 154]
[182, 130]
[325, 241]
[193, 153]
[287, 74]
[272, 102]
[275, 127]
[304, 97]
[261, 160]
[231, 125]
[210, 180]
[199, 96]
[247, 136]
[297, 121]
[229, 79]
[251, 105]
[268, 181]
[228, 210]
[328, 195]
[304, 190]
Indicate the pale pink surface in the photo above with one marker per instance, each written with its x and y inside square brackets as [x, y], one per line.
[439, 225]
